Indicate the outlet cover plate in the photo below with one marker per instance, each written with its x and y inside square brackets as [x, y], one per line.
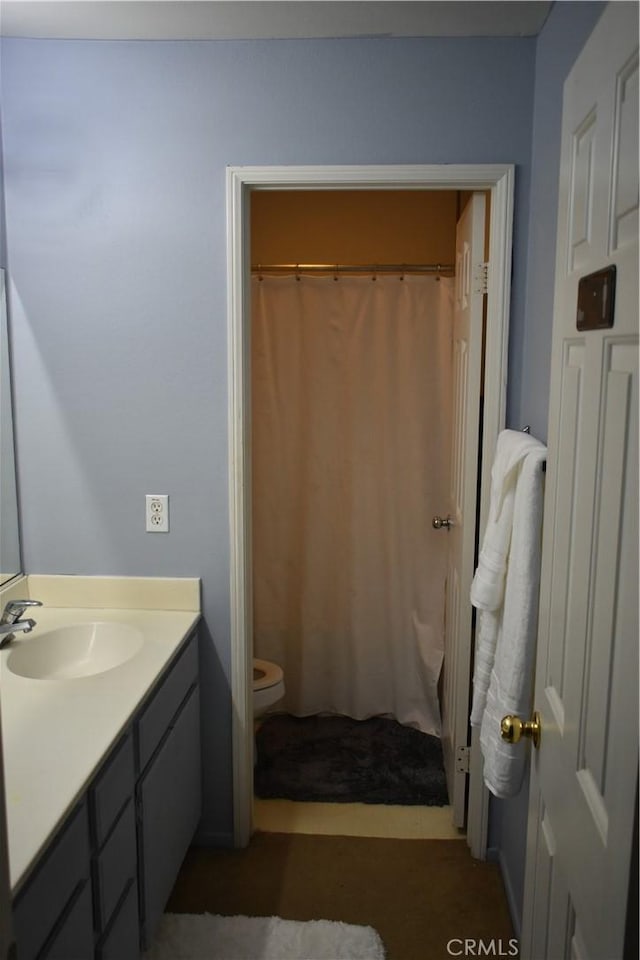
[157, 513]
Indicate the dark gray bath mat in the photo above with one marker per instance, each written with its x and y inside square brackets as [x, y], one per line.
[340, 760]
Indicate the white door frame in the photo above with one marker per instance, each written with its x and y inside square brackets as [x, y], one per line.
[499, 179]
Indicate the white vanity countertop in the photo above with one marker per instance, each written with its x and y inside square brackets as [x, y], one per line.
[55, 733]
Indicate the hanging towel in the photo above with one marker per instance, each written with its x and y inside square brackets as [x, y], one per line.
[505, 591]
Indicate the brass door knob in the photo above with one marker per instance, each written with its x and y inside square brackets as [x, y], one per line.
[512, 729]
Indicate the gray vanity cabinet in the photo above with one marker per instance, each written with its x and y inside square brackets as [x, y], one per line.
[73, 937]
[99, 889]
[169, 796]
[169, 788]
[122, 939]
[52, 914]
[114, 862]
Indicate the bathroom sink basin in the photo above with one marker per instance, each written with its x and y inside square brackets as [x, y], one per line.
[79, 650]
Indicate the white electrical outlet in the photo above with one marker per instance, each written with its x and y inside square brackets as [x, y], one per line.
[157, 513]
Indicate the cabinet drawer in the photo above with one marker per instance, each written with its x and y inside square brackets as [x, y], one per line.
[170, 798]
[157, 716]
[122, 940]
[73, 940]
[115, 865]
[113, 786]
[38, 907]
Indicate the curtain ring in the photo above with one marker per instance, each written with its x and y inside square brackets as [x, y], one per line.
[374, 277]
[298, 272]
[335, 274]
[402, 272]
[260, 277]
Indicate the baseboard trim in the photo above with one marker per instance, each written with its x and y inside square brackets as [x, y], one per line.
[516, 919]
[212, 838]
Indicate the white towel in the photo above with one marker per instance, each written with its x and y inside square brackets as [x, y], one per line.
[505, 590]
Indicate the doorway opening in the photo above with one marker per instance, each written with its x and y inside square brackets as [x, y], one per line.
[242, 183]
[352, 416]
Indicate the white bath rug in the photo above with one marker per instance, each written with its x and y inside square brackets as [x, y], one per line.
[185, 936]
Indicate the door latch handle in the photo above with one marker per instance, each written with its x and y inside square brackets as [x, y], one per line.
[438, 522]
[512, 729]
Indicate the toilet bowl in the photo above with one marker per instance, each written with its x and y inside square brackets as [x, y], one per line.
[268, 686]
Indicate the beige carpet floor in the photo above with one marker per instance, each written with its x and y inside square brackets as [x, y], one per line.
[418, 894]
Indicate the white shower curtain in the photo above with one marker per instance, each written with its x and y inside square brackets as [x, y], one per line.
[351, 427]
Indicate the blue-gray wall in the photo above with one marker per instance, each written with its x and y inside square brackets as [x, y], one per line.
[558, 45]
[115, 156]
[3, 227]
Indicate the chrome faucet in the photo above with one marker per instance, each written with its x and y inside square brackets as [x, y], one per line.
[10, 622]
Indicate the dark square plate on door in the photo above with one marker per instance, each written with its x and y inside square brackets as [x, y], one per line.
[596, 299]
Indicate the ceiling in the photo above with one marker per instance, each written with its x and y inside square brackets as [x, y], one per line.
[266, 19]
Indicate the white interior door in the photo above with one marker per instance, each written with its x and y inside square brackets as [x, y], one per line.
[467, 365]
[584, 773]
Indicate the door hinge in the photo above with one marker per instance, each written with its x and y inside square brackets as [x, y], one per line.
[463, 759]
[481, 278]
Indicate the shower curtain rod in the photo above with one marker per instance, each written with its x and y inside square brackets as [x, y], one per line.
[401, 268]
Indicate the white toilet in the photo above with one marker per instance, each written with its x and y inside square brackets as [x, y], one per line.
[268, 686]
